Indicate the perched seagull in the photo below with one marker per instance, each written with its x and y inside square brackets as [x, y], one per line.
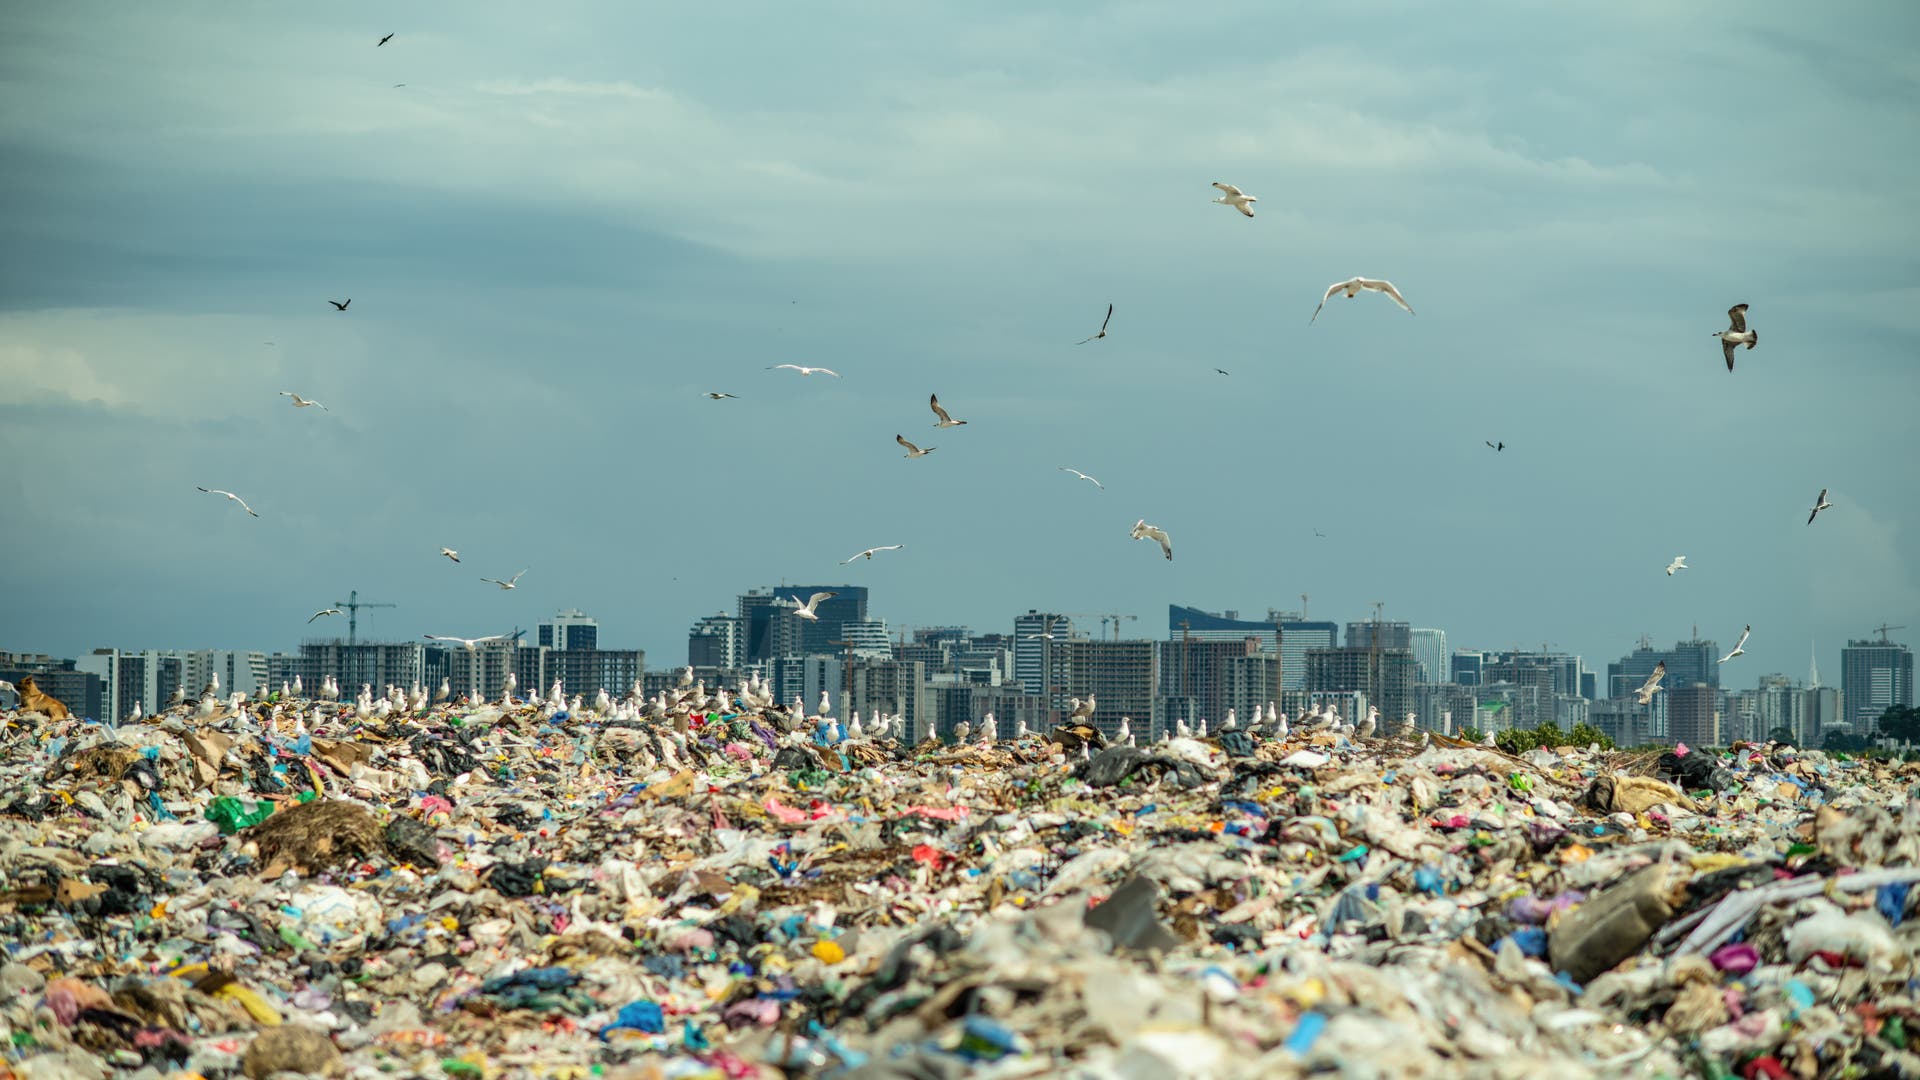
[868, 554]
[249, 509]
[1740, 647]
[806, 370]
[451, 554]
[325, 611]
[1737, 336]
[507, 584]
[300, 402]
[1085, 477]
[945, 420]
[1144, 531]
[718, 397]
[1353, 286]
[912, 450]
[1103, 328]
[383, 41]
[1499, 446]
[1819, 504]
[468, 642]
[341, 305]
[805, 611]
[1679, 563]
[1234, 197]
[1652, 685]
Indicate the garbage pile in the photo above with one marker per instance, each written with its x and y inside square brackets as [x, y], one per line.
[715, 887]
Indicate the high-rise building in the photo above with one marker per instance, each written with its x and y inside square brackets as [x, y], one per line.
[570, 630]
[717, 641]
[1688, 662]
[83, 692]
[1123, 678]
[1466, 666]
[1390, 635]
[1430, 652]
[867, 639]
[1874, 675]
[370, 663]
[1193, 624]
[1694, 715]
[1385, 676]
[1445, 707]
[1299, 637]
[129, 678]
[1197, 679]
[1780, 705]
[477, 672]
[1030, 642]
[891, 686]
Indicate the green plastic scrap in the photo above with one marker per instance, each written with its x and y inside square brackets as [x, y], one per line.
[232, 815]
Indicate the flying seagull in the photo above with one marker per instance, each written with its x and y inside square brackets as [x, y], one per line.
[717, 397]
[806, 370]
[1223, 371]
[1819, 504]
[868, 554]
[912, 450]
[1679, 563]
[1353, 288]
[1144, 531]
[1085, 477]
[1234, 197]
[1103, 328]
[327, 611]
[1046, 631]
[1737, 336]
[468, 642]
[341, 305]
[507, 584]
[231, 495]
[1499, 446]
[1652, 685]
[805, 611]
[945, 420]
[451, 554]
[383, 41]
[301, 403]
[1740, 647]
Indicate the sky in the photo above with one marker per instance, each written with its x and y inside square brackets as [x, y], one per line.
[567, 225]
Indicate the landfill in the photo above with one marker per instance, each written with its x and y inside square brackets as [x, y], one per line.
[710, 885]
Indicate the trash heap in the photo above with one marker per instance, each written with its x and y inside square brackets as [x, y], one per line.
[301, 888]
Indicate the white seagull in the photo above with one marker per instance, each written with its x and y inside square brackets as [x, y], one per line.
[468, 642]
[718, 397]
[1234, 197]
[868, 554]
[1144, 531]
[1740, 647]
[324, 611]
[806, 370]
[912, 450]
[945, 420]
[301, 403]
[249, 509]
[1737, 336]
[451, 554]
[507, 584]
[1819, 504]
[1085, 477]
[1046, 632]
[805, 611]
[1103, 328]
[1679, 563]
[1353, 287]
[1652, 685]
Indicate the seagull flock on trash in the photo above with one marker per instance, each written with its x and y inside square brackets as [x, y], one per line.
[1737, 335]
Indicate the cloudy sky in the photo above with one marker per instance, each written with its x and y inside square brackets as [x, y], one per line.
[567, 225]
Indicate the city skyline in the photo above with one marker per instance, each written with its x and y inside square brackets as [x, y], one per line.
[546, 280]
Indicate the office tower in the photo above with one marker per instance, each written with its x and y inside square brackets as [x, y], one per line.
[894, 687]
[1029, 646]
[866, 639]
[369, 663]
[1874, 675]
[1466, 666]
[1193, 624]
[1430, 652]
[1385, 676]
[1692, 715]
[1299, 637]
[148, 677]
[1197, 678]
[1391, 635]
[82, 691]
[717, 641]
[477, 672]
[1688, 662]
[1123, 678]
[570, 630]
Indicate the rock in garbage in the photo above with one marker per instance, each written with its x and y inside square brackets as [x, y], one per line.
[290, 1048]
[1129, 918]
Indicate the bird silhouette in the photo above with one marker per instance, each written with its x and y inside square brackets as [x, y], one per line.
[341, 305]
[383, 41]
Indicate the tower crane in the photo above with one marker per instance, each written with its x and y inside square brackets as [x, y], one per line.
[1105, 617]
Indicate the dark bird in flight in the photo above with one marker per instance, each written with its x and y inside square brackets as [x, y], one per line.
[1499, 446]
[341, 305]
[383, 41]
[1223, 371]
[1103, 327]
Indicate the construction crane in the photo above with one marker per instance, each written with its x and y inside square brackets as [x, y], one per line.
[1882, 631]
[1105, 617]
[353, 605]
